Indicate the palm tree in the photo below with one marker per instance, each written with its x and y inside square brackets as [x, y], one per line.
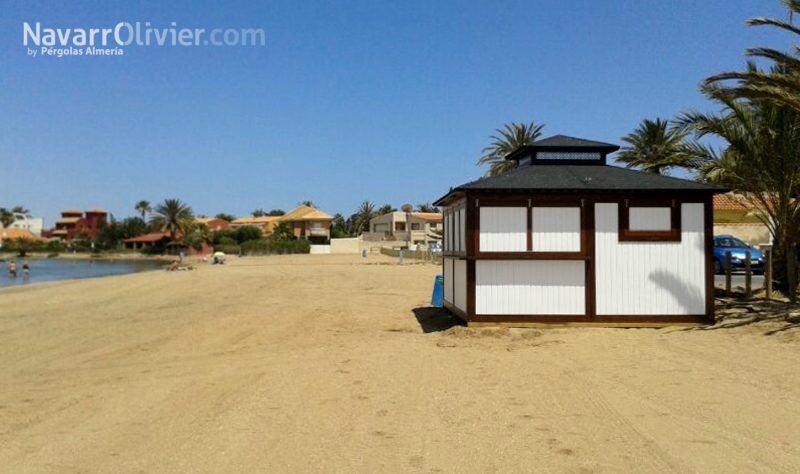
[782, 85]
[6, 217]
[20, 210]
[385, 209]
[427, 207]
[510, 138]
[307, 203]
[654, 147]
[144, 208]
[172, 216]
[360, 219]
[225, 217]
[759, 161]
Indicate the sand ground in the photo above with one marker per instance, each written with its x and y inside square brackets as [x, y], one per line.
[320, 364]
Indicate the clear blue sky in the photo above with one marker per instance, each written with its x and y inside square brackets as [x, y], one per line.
[349, 100]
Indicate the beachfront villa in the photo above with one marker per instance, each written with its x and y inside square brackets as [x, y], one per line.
[153, 242]
[566, 238]
[306, 222]
[265, 223]
[73, 223]
[309, 223]
[26, 222]
[414, 227]
[213, 223]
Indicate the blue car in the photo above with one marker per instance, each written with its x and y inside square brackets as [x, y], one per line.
[737, 248]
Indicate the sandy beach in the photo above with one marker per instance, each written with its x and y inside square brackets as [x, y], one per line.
[320, 363]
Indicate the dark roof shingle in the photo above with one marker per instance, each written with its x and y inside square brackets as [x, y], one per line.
[583, 178]
[564, 141]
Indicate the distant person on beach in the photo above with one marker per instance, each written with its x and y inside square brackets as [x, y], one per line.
[12, 268]
[26, 269]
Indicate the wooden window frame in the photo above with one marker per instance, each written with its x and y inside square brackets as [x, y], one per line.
[628, 235]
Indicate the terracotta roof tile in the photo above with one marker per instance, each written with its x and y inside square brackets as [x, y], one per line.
[19, 234]
[732, 202]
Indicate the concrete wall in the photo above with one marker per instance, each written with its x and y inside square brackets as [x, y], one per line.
[345, 245]
[753, 234]
[320, 249]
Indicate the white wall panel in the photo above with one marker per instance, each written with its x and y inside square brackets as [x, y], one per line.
[656, 278]
[503, 229]
[530, 287]
[460, 282]
[448, 280]
[556, 229]
[462, 230]
[649, 218]
[448, 230]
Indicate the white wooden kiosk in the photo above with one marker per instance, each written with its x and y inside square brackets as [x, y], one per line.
[567, 239]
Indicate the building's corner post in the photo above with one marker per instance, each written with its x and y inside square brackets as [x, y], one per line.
[472, 227]
[708, 239]
[587, 208]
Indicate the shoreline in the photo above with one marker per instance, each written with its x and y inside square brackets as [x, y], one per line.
[89, 256]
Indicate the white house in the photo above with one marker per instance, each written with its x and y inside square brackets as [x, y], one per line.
[566, 238]
[424, 227]
[27, 222]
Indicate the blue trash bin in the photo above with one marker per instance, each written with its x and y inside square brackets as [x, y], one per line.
[437, 299]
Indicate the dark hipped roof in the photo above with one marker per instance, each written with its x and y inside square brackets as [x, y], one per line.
[562, 142]
[582, 178]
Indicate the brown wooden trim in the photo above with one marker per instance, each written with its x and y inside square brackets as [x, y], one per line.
[520, 198]
[461, 254]
[522, 318]
[708, 240]
[529, 237]
[503, 202]
[588, 234]
[649, 236]
[528, 256]
[627, 235]
[470, 290]
[556, 202]
[457, 230]
[473, 224]
[615, 319]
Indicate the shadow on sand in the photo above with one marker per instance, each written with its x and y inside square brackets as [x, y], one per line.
[433, 319]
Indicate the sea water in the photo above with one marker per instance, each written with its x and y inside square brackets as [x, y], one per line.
[53, 269]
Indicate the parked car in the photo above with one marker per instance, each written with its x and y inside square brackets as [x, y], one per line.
[737, 248]
[435, 247]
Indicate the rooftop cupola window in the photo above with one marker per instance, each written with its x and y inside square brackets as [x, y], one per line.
[563, 150]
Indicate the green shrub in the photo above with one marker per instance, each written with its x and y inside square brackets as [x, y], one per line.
[227, 241]
[248, 233]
